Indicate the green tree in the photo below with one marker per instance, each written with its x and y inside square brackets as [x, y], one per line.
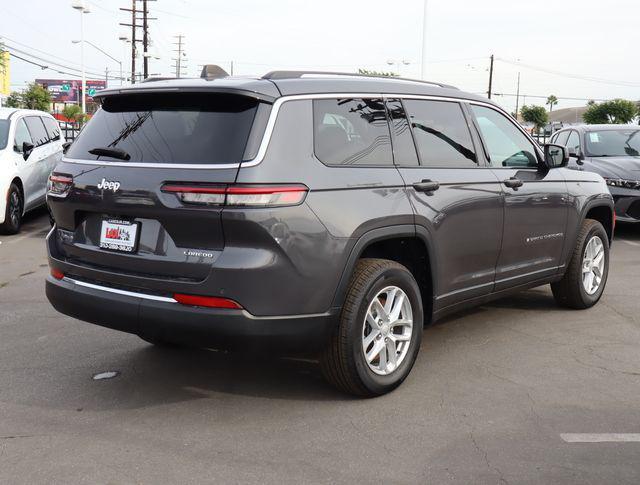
[36, 97]
[536, 115]
[72, 112]
[552, 101]
[368, 72]
[14, 100]
[617, 111]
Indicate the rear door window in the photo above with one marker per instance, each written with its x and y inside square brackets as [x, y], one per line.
[441, 133]
[53, 128]
[351, 132]
[186, 128]
[37, 130]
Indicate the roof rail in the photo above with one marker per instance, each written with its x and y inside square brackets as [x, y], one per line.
[274, 75]
[158, 78]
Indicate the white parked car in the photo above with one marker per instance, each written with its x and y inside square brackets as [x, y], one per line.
[30, 147]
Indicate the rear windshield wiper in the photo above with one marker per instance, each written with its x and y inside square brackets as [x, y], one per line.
[110, 152]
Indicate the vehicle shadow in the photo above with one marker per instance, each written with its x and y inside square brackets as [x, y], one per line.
[629, 232]
[151, 375]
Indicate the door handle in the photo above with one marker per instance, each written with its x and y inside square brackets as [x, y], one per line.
[513, 182]
[426, 186]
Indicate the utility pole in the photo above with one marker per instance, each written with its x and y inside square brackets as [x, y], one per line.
[180, 52]
[490, 78]
[518, 97]
[145, 36]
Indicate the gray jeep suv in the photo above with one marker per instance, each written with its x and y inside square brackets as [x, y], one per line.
[325, 214]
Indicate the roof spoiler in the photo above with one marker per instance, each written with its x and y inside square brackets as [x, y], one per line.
[213, 71]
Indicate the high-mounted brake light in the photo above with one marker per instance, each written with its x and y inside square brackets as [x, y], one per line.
[206, 301]
[59, 185]
[239, 195]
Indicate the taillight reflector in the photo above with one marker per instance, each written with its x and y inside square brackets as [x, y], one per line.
[206, 301]
[57, 274]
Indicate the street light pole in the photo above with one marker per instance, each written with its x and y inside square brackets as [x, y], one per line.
[79, 6]
[518, 96]
[423, 63]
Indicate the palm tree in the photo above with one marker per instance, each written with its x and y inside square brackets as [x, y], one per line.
[551, 101]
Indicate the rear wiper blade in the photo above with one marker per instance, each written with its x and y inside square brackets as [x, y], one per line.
[110, 152]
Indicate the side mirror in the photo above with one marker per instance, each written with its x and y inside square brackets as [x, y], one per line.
[574, 152]
[27, 148]
[65, 146]
[555, 156]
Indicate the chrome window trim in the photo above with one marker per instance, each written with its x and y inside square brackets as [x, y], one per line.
[266, 138]
[121, 292]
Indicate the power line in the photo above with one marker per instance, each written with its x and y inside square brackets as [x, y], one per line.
[45, 67]
[22, 44]
[13, 51]
[570, 75]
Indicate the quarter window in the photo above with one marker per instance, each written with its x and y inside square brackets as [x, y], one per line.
[37, 130]
[506, 145]
[22, 135]
[441, 133]
[53, 128]
[351, 132]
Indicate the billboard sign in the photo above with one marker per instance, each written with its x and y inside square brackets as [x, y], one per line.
[5, 86]
[68, 90]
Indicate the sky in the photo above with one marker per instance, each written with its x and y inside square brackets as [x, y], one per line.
[569, 48]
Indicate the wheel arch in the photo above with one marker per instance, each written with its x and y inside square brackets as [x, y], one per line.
[18, 181]
[405, 244]
[601, 210]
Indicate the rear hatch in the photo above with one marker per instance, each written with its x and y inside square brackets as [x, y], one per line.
[118, 216]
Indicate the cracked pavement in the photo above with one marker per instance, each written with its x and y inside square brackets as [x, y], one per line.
[486, 402]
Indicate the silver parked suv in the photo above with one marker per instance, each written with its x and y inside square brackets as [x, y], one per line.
[314, 213]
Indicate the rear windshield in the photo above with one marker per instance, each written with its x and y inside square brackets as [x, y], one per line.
[186, 128]
[4, 133]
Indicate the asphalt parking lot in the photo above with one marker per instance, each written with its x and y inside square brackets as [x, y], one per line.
[492, 397]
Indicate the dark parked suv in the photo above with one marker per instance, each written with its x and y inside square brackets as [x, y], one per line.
[314, 213]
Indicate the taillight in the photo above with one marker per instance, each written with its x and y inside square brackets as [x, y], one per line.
[266, 196]
[59, 185]
[206, 301]
[239, 195]
[197, 194]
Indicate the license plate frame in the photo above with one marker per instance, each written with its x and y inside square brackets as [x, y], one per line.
[119, 235]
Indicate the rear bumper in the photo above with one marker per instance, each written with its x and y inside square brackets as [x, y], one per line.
[157, 318]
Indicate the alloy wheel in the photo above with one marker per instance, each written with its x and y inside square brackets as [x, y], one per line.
[593, 265]
[387, 330]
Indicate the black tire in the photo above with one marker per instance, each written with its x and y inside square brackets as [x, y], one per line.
[343, 362]
[13, 211]
[570, 291]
